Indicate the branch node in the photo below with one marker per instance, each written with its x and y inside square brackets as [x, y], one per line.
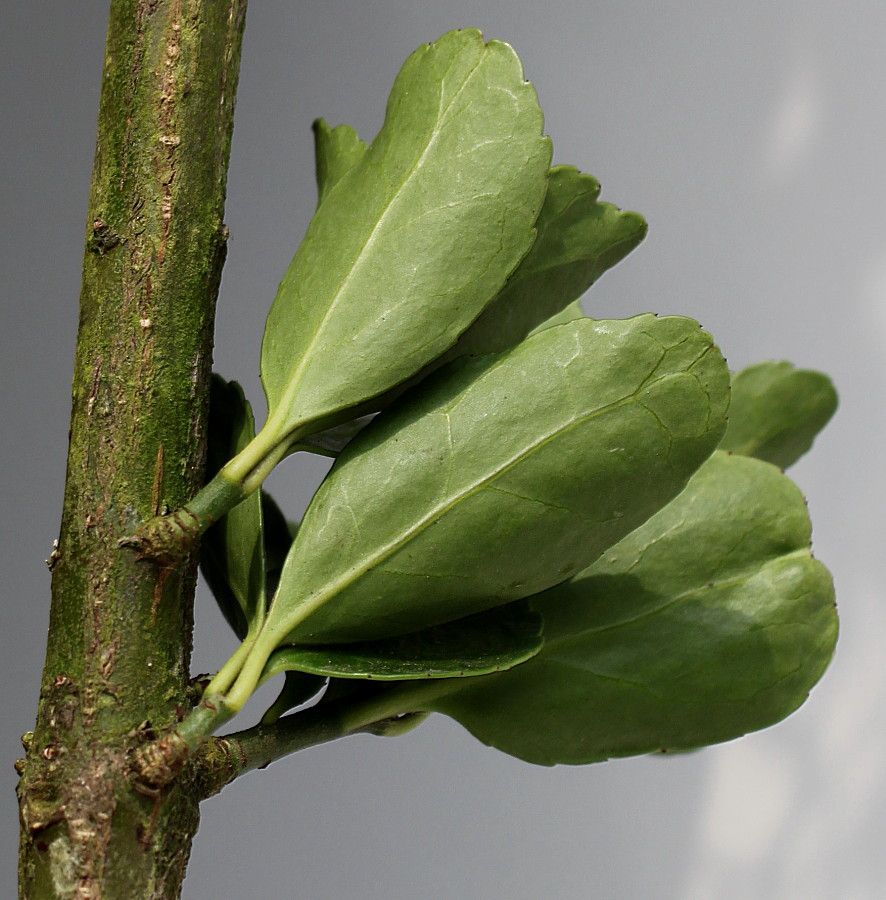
[165, 540]
[157, 763]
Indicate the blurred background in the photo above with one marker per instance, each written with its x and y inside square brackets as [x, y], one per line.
[751, 135]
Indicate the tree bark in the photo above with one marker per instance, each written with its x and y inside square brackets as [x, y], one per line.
[117, 660]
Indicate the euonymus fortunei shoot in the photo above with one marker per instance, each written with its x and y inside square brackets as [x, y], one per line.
[553, 528]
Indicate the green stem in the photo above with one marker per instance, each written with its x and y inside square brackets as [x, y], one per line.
[206, 717]
[387, 711]
[250, 673]
[225, 676]
[267, 444]
[228, 691]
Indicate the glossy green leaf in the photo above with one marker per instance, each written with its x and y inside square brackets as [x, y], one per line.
[777, 411]
[232, 556]
[709, 621]
[491, 641]
[411, 244]
[336, 151]
[503, 476]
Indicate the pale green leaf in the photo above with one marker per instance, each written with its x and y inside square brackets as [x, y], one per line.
[414, 240]
[502, 476]
[579, 238]
[709, 621]
[777, 411]
[491, 641]
[336, 151]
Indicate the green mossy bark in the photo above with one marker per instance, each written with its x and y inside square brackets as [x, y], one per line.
[120, 628]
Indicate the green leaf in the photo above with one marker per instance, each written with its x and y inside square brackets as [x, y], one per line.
[777, 411]
[278, 536]
[491, 641]
[502, 476]
[709, 621]
[232, 556]
[336, 150]
[579, 238]
[414, 241]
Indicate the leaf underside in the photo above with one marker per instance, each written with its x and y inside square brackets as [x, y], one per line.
[578, 239]
[503, 476]
[709, 621]
[408, 246]
[534, 518]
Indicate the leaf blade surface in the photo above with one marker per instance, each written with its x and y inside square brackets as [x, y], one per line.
[710, 620]
[579, 238]
[507, 474]
[415, 239]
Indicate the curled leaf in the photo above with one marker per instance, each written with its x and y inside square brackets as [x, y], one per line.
[491, 641]
[336, 151]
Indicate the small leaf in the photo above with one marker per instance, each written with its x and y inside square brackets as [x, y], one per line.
[503, 476]
[414, 241]
[777, 411]
[336, 150]
[491, 641]
[709, 621]
[232, 555]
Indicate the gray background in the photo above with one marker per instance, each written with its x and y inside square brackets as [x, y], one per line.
[752, 137]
